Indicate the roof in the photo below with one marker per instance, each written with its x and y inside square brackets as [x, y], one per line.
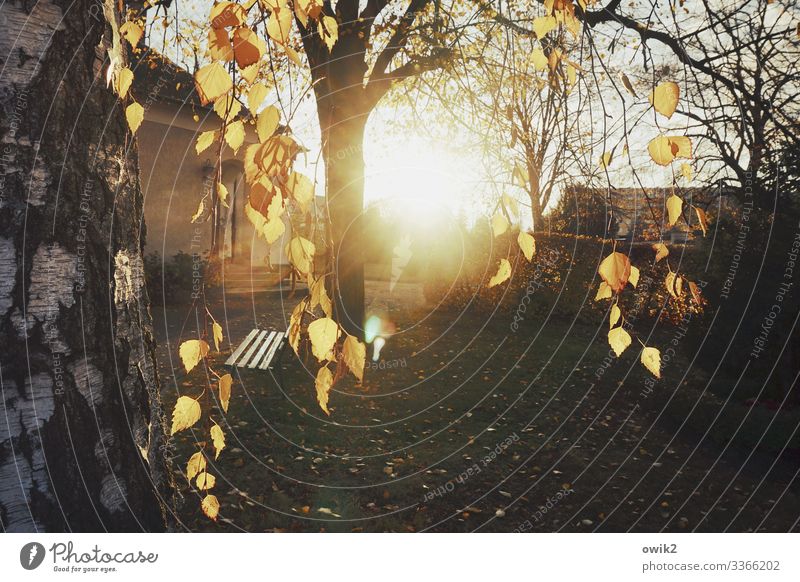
[157, 78]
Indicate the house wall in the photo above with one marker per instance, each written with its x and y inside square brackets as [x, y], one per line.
[174, 179]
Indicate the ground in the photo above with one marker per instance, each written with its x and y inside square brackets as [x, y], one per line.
[470, 426]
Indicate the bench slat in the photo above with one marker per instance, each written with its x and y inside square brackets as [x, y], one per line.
[256, 344]
[238, 352]
[266, 343]
[276, 345]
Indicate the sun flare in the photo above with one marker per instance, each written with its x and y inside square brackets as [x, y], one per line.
[421, 179]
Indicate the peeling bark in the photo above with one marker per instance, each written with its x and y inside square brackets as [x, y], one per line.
[82, 432]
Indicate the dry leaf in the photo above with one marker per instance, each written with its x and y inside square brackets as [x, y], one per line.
[192, 352]
[661, 251]
[619, 340]
[503, 273]
[218, 439]
[355, 354]
[134, 113]
[615, 270]
[210, 506]
[674, 209]
[185, 414]
[665, 97]
[225, 383]
[196, 465]
[651, 358]
[323, 384]
[528, 245]
[323, 334]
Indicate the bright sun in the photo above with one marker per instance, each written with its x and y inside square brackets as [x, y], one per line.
[420, 178]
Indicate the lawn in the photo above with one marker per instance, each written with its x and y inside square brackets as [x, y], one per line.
[466, 425]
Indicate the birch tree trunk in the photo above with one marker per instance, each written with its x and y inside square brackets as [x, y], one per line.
[82, 432]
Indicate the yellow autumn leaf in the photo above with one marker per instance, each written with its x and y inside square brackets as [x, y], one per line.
[216, 330]
[222, 193]
[301, 189]
[614, 316]
[695, 291]
[543, 24]
[674, 284]
[619, 340]
[328, 30]
[250, 73]
[225, 383]
[323, 384]
[323, 334]
[234, 135]
[539, 59]
[218, 440]
[661, 251]
[681, 146]
[319, 296]
[248, 47]
[267, 123]
[355, 355]
[275, 208]
[674, 209]
[256, 96]
[651, 358]
[663, 149]
[132, 32]
[686, 170]
[664, 98]
[212, 82]
[205, 481]
[503, 273]
[192, 352]
[300, 252]
[185, 414]
[279, 26]
[294, 325]
[227, 14]
[499, 224]
[511, 205]
[527, 244]
[204, 140]
[702, 219]
[210, 506]
[571, 74]
[615, 270]
[227, 107]
[134, 113]
[605, 160]
[196, 465]
[634, 277]
[219, 45]
[201, 206]
[603, 291]
[124, 80]
[273, 230]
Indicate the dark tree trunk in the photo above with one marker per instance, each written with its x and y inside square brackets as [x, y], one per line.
[344, 162]
[343, 106]
[82, 436]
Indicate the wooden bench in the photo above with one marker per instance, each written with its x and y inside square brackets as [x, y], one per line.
[259, 349]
